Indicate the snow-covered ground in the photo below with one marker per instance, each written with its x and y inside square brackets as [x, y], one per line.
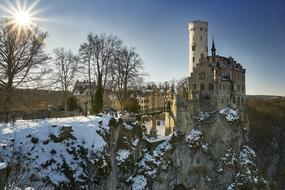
[46, 149]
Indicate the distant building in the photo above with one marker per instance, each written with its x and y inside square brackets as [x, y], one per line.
[151, 98]
[82, 92]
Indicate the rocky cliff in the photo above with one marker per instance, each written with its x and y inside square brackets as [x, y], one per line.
[107, 153]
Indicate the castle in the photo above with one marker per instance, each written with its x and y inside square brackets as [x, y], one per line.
[215, 81]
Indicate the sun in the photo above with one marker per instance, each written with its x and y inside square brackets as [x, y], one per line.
[21, 15]
[22, 18]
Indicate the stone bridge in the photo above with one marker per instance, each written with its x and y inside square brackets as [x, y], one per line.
[153, 114]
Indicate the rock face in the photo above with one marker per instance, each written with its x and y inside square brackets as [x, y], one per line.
[3, 174]
[212, 155]
[107, 153]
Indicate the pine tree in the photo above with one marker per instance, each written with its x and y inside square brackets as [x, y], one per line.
[97, 103]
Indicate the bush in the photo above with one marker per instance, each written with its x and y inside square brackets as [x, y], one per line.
[72, 104]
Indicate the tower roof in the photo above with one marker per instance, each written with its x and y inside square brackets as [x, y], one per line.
[213, 49]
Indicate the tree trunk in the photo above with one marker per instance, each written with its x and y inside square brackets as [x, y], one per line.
[65, 101]
[7, 99]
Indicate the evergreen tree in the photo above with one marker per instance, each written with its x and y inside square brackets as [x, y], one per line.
[133, 105]
[97, 101]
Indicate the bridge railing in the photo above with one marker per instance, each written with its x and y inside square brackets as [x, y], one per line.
[153, 110]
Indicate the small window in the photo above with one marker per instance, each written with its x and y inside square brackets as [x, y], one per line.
[202, 87]
[193, 59]
[234, 100]
[201, 37]
[238, 88]
[193, 47]
[205, 29]
[201, 28]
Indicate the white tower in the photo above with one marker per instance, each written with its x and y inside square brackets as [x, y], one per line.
[198, 42]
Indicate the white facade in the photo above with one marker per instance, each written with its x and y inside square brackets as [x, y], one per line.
[198, 42]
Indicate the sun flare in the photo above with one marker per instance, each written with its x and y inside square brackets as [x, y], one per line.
[21, 15]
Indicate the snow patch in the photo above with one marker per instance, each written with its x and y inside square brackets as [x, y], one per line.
[230, 113]
[47, 146]
[122, 155]
[139, 182]
[3, 165]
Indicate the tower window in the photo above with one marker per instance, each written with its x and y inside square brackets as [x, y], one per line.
[201, 28]
[193, 59]
[193, 47]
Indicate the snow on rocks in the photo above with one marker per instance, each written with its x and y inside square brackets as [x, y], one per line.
[3, 165]
[195, 138]
[139, 182]
[247, 174]
[55, 149]
[230, 113]
[122, 156]
[202, 116]
[150, 165]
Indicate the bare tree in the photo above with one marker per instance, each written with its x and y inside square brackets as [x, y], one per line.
[67, 67]
[97, 53]
[21, 55]
[127, 67]
[183, 87]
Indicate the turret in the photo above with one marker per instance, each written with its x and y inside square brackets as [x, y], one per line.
[198, 42]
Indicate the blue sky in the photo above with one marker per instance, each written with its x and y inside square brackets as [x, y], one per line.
[251, 31]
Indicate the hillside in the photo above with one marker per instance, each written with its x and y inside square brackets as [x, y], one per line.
[267, 134]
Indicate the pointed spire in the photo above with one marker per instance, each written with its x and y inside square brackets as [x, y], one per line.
[213, 48]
